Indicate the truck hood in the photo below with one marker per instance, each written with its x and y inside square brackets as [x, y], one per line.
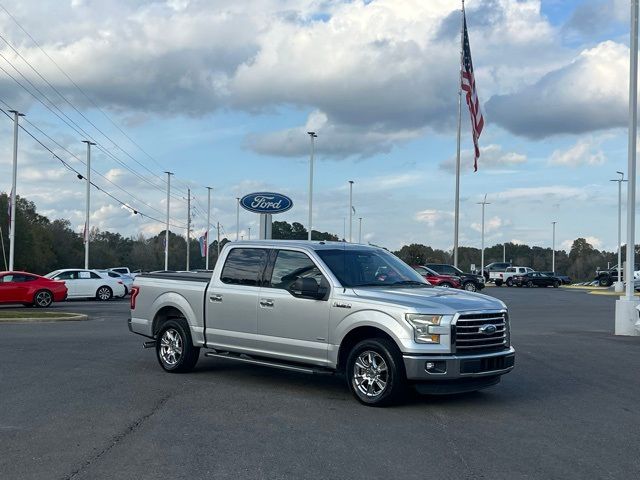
[436, 300]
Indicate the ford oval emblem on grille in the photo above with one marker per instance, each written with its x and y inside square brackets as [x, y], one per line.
[488, 329]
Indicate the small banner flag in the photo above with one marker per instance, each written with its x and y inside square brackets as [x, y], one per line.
[204, 244]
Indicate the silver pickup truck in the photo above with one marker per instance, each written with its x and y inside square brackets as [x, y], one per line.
[325, 307]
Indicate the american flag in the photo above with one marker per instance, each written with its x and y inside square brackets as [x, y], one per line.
[468, 84]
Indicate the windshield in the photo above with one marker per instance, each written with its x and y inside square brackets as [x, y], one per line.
[359, 268]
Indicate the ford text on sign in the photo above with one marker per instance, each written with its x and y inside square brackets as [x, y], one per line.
[266, 202]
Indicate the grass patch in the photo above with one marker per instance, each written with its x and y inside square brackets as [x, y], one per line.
[32, 314]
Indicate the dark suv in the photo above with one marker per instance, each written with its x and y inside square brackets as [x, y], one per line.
[469, 281]
[494, 272]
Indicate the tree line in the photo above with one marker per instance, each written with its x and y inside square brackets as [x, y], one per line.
[43, 245]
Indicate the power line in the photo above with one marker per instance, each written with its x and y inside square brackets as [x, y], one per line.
[69, 167]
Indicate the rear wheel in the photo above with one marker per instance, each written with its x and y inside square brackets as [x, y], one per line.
[104, 293]
[174, 347]
[605, 281]
[42, 299]
[556, 284]
[445, 285]
[530, 284]
[470, 287]
[509, 282]
[375, 372]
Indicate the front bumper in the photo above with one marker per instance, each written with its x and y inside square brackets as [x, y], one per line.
[454, 367]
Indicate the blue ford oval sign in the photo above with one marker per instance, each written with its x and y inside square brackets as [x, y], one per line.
[266, 202]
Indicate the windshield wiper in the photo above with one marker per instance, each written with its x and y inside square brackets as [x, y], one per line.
[411, 282]
[371, 284]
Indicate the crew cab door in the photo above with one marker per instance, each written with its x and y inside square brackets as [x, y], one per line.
[232, 300]
[290, 326]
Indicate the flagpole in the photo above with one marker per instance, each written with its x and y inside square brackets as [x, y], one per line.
[457, 204]
[14, 194]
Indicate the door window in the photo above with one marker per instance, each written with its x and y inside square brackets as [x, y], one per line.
[289, 266]
[244, 266]
[67, 276]
[421, 270]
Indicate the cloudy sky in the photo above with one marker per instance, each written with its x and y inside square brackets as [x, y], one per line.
[222, 92]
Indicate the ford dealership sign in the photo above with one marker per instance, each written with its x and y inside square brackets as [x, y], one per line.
[266, 202]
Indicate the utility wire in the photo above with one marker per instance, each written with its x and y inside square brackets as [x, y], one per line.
[69, 167]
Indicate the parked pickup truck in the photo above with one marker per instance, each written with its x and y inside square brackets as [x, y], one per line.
[326, 308]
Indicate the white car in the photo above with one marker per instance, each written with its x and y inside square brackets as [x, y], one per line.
[127, 280]
[88, 284]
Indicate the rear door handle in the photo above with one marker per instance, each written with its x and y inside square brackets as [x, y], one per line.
[265, 302]
[215, 298]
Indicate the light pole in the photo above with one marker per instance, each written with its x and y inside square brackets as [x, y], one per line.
[312, 136]
[619, 286]
[12, 232]
[166, 232]
[504, 252]
[553, 251]
[188, 224]
[359, 229]
[483, 203]
[208, 227]
[350, 210]
[626, 319]
[237, 218]
[249, 234]
[88, 204]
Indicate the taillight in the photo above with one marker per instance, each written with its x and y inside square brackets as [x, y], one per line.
[134, 294]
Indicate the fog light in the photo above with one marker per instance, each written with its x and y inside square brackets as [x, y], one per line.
[436, 366]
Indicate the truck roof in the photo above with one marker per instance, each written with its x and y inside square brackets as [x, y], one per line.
[314, 245]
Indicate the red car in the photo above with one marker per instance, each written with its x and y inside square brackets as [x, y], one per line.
[437, 280]
[30, 289]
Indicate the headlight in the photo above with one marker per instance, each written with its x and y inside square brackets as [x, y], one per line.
[426, 328]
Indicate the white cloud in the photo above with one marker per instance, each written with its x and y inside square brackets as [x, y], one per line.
[431, 217]
[584, 152]
[491, 225]
[558, 192]
[588, 94]
[491, 157]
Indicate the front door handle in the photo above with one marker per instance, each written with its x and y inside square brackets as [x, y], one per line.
[215, 298]
[265, 302]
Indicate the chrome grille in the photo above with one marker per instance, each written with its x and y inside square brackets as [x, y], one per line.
[471, 332]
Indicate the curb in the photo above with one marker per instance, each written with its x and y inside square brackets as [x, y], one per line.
[70, 317]
[611, 294]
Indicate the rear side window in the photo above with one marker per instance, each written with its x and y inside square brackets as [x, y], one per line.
[421, 271]
[290, 266]
[244, 266]
[95, 276]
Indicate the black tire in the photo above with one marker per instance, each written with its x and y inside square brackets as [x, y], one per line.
[186, 359]
[530, 284]
[104, 293]
[605, 281]
[498, 283]
[556, 284]
[42, 299]
[470, 287]
[445, 285]
[520, 285]
[394, 377]
[126, 291]
[509, 282]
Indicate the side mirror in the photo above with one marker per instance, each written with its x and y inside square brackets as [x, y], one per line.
[306, 287]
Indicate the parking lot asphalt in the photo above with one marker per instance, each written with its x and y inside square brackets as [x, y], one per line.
[83, 400]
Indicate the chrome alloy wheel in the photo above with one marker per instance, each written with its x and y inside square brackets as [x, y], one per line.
[370, 374]
[104, 293]
[171, 347]
[43, 299]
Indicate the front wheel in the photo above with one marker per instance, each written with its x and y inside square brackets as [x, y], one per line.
[42, 299]
[470, 287]
[375, 372]
[104, 293]
[530, 284]
[445, 285]
[605, 282]
[509, 282]
[556, 284]
[174, 348]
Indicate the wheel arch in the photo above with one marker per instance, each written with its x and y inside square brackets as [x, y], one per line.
[354, 337]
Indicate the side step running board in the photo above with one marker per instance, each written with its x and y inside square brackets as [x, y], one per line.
[149, 344]
[270, 363]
